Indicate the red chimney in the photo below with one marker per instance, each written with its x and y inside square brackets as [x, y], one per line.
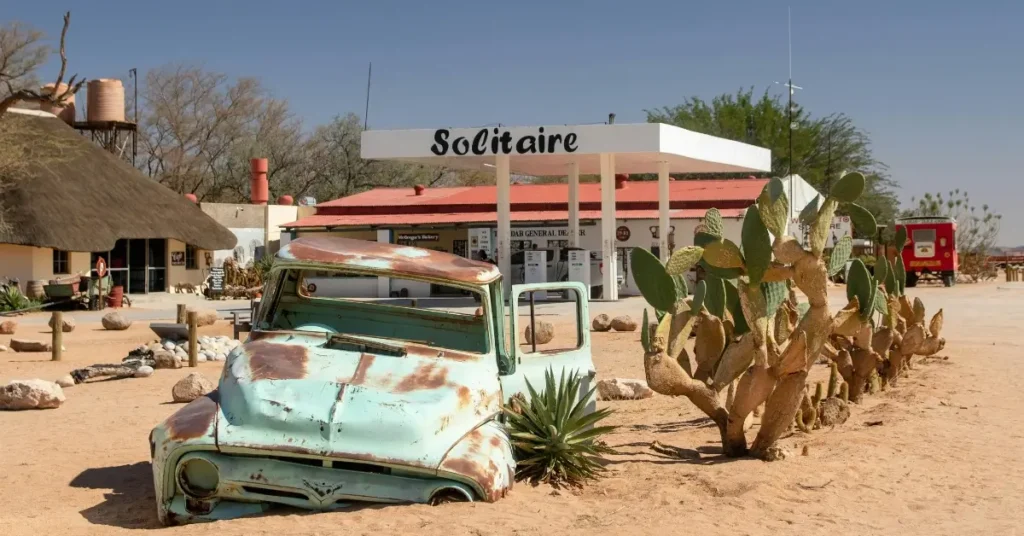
[620, 181]
[285, 200]
[192, 198]
[419, 189]
[259, 194]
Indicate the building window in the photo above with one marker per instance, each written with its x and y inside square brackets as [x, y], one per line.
[60, 262]
[191, 257]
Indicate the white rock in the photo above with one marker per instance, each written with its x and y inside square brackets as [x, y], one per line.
[221, 357]
[200, 358]
[3, 348]
[31, 394]
[191, 387]
[144, 372]
[169, 346]
[623, 389]
[66, 381]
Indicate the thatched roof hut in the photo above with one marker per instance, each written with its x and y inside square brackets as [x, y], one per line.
[67, 193]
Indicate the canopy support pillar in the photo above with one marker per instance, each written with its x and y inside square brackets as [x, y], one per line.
[574, 204]
[504, 182]
[609, 276]
[663, 209]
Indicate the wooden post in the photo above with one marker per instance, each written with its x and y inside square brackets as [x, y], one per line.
[234, 323]
[58, 335]
[193, 342]
[181, 313]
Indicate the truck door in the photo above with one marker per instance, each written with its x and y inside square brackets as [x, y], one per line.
[568, 351]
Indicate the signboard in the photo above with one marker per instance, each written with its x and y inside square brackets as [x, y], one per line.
[216, 280]
[101, 267]
[579, 267]
[622, 233]
[419, 237]
[840, 227]
[536, 270]
[177, 258]
[543, 232]
[480, 244]
[502, 141]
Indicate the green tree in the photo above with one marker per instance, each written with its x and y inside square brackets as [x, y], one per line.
[823, 148]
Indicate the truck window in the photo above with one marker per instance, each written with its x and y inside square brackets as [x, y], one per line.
[923, 235]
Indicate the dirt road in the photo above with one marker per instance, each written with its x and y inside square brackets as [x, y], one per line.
[944, 460]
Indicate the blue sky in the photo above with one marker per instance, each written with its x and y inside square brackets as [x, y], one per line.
[937, 84]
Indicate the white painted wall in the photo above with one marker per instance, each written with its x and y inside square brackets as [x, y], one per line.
[344, 287]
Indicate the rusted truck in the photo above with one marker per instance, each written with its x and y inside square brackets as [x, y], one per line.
[335, 401]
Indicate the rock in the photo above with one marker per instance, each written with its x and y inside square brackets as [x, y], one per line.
[169, 346]
[601, 323]
[479, 311]
[205, 317]
[166, 360]
[115, 321]
[833, 411]
[67, 322]
[144, 371]
[200, 358]
[3, 348]
[623, 323]
[545, 332]
[623, 389]
[191, 387]
[31, 394]
[8, 327]
[28, 345]
[221, 357]
[65, 381]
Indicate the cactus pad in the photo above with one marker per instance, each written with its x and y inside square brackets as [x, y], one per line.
[880, 304]
[840, 254]
[900, 240]
[713, 221]
[810, 211]
[802, 308]
[732, 303]
[862, 219]
[882, 270]
[774, 207]
[714, 297]
[645, 333]
[848, 188]
[684, 259]
[757, 245]
[891, 286]
[723, 254]
[859, 283]
[901, 274]
[656, 286]
[774, 294]
[918, 311]
[682, 291]
[822, 225]
[699, 295]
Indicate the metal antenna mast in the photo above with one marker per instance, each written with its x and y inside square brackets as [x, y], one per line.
[366, 114]
[789, 111]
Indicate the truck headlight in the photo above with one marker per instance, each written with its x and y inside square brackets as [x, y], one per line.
[198, 478]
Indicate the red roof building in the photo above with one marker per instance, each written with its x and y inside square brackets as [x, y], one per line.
[530, 203]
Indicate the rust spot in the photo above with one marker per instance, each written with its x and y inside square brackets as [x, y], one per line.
[269, 361]
[343, 456]
[465, 396]
[280, 405]
[359, 376]
[404, 260]
[484, 477]
[432, 353]
[427, 376]
[194, 419]
[495, 442]
[257, 477]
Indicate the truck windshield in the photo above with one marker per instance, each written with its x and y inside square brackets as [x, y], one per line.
[339, 302]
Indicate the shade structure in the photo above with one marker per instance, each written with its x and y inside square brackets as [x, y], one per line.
[570, 150]
[70, 194]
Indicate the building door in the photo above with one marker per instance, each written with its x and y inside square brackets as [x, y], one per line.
[136, 266]
[459, 247]
[156, 250]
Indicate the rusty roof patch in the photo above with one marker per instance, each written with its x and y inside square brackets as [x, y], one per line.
[388, 259]
[359, 376]
[268, 361]
[195, 418]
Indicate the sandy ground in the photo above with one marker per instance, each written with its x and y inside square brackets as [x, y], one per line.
[945, 460]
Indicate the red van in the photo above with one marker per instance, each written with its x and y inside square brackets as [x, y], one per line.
[930, 249]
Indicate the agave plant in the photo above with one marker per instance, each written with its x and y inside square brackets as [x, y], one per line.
[554, 439]
[11, 299]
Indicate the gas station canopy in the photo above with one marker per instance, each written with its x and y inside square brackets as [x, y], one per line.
[548, 150]
[571, 150]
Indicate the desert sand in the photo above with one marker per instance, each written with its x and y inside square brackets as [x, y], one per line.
[942, 456]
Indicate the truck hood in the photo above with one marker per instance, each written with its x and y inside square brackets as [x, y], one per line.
[292, 393]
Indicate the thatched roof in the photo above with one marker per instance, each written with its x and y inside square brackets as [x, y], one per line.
[66, 192]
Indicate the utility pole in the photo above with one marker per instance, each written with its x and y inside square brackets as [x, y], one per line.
[789, 111]
[366, 114]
